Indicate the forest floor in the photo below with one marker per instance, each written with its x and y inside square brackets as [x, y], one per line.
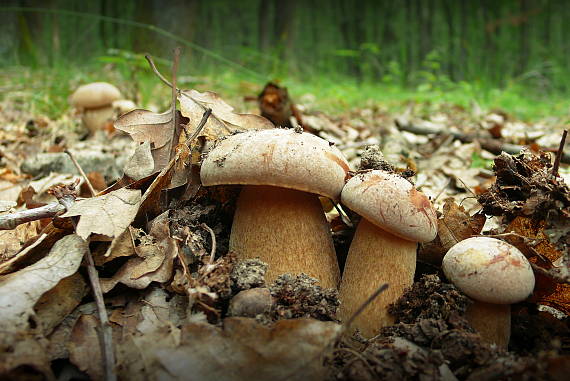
[173, 292]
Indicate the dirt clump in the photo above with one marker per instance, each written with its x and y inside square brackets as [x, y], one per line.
[300, 296]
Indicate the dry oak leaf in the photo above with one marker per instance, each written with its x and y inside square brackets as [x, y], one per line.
[20, 291]
[109, 214]
[223, 120]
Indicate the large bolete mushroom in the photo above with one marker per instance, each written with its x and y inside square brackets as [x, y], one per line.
[395, 217]
[278, 217]
[95, 102]
[495, 275]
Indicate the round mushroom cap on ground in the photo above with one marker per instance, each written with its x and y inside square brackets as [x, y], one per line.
[392, 203]
[96, 94]
[489, 270]
[277, 157]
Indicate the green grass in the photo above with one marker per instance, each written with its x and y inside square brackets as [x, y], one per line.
[46, 91]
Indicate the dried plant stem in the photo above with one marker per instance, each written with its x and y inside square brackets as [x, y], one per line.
[370, 299]
[175, 127]
[559, 154]
[492, 145]
[12, 220]
[213, 236]
[201, 125]
[82, 173]
[155, 70]
[106, 330]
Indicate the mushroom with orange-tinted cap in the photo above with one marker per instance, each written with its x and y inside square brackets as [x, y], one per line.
[278, 216]
[95, 102]
[495, 275]
[395, 217]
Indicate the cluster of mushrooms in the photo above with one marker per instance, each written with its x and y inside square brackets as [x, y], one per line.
[280, 220]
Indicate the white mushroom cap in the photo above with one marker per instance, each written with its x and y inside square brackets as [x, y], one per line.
[392, 203]
[277, 157]
[96, 94]
[489, 270]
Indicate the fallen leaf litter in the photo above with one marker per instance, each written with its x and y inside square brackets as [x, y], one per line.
[178, 300]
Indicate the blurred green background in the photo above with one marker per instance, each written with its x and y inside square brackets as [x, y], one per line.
[509, 54]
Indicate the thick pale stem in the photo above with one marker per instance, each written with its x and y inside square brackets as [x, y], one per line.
[492, 321]
[288, 230]
[375, 257]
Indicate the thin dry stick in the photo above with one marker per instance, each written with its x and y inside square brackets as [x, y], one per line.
[343, 216]
[10, 221]
[173, 100]
[370, 299]
[559, 154]
[89, 185]
[201, 125]
[106, 330]
[155, 70]
[213, 236]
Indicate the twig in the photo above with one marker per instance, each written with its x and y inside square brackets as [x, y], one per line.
[555, 274]
[490, 145]
[82, 173]
[370, 299]
[201, 125]
[106, 331]
[175, 130]
[155, 70]
[213, 237]
[343, 216]
[10, 221]
[559, 154]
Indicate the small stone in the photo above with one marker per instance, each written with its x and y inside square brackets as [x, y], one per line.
[250, 303]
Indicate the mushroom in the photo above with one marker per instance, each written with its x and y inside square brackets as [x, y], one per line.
[495, 275]
[95, 102]
[278, 216]
[395, 216]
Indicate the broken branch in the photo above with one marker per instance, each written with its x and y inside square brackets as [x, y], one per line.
[491, 145]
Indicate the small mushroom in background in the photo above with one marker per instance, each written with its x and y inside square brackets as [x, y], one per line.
[95, 103]
[278, 216]
[395, 217]
[123, 106]
[495, 275]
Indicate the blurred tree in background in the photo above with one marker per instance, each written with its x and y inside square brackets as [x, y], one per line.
[399, 42]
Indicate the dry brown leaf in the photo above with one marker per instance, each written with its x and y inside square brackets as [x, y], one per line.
[140, 272]
[84, 351]
[141, 164]
[245, 350]
[454, 226]
[147, 126]
[58, 302]
[223, 120]
[530, 238]
[108, 215]
[20, 291]
[122, 246]
[12, 240]
[542, 252]
[59, 339]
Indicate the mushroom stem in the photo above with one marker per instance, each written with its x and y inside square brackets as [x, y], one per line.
[492, 321]
[288, 230]
[375, 257]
